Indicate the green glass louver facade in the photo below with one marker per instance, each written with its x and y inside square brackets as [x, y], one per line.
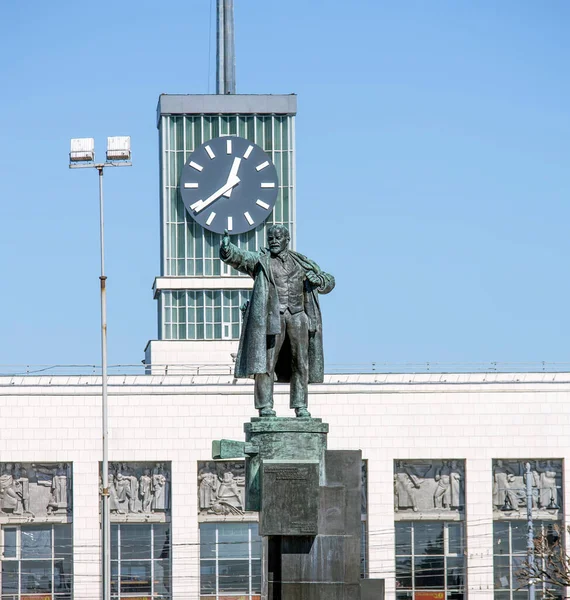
[188, 250]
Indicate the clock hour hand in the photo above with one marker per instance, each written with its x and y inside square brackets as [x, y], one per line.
[201, 204]
[233, 173]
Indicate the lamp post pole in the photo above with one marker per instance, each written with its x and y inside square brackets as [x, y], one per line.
[530, 531]
[82, 156]
[105, 509]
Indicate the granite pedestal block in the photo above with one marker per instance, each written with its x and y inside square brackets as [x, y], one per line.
[310, 503]
[284, 439]
[325, 566]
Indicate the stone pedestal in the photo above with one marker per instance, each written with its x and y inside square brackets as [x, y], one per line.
[325, 566]
[283, 439]
[310, 503]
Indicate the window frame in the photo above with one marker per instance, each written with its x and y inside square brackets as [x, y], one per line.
[52, 560]
[202, 314]
[413, 556]
[251, 593]
[540, 587]
[119, 561]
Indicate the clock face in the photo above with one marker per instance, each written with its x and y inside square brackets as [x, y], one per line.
[229, 183]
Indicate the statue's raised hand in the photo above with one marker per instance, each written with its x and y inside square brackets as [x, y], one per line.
[225, 246]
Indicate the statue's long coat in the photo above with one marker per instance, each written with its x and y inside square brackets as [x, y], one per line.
[262, 318]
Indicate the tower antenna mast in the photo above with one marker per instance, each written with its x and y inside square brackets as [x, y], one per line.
[225, 48]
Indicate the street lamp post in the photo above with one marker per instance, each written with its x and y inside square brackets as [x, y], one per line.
[530, 532]
[82, 156]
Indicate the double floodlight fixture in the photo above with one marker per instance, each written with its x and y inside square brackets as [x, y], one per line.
[83, 150]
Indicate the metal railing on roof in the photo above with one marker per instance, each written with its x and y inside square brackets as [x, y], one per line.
[330, 368]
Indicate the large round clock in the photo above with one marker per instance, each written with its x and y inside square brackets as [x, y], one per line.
[229, 183]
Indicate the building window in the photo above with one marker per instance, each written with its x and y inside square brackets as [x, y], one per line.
[230, 561]
[430, 557]
[202, 314]
[140, 560]
[37, 561]
[509, 556]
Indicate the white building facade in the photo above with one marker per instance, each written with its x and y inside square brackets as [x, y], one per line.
[444, 459]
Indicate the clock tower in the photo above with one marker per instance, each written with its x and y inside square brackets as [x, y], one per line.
[200, 298]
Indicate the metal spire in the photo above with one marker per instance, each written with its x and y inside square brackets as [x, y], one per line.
[226, 60]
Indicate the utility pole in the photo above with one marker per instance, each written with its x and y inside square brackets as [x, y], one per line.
[530, 532]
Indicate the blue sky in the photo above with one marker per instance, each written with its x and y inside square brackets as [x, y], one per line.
[433, 146]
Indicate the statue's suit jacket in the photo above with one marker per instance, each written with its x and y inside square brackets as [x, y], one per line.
[262, 318]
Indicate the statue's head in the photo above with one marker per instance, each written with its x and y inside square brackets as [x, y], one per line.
[277, 239]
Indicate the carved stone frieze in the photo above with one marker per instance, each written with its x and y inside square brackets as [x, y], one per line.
[139, 491]
[221, 488]
[434, 488]
[510, 488]
[39, 492]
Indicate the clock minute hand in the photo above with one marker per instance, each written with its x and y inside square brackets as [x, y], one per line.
[228, 186]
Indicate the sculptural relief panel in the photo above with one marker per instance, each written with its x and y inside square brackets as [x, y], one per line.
[510, 488]
[221, 488]
[429, 488]
[139, 492]
[39, 492]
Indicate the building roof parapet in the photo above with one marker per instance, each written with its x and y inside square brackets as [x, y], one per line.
[212, 104]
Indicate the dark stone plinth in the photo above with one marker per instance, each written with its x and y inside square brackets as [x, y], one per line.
[284, 439]
[315, 591]
[302, 488]
[344, 468]
[372, 589]
[326, 566]
[290, 497]
[332, 519]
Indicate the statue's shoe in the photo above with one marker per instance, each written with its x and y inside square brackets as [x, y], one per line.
[267, 412]
[302, 412]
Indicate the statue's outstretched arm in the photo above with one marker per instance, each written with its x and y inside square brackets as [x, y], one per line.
[239, 259]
